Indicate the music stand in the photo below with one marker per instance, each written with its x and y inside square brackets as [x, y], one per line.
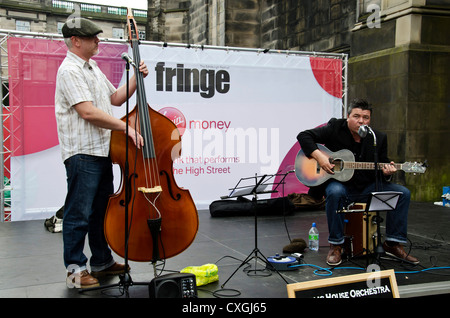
[381, 201]
[258, 188]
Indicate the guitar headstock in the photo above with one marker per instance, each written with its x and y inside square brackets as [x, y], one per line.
[414, 167]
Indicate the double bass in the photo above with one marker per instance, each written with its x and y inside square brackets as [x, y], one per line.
[161, 219]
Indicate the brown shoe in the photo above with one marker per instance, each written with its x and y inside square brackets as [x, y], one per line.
[81, 280]
[114, 269]
[398, 251]
[334, 255]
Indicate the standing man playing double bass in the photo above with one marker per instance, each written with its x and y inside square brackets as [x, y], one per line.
[83, 108]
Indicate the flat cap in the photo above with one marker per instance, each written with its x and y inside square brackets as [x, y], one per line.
[80, 27]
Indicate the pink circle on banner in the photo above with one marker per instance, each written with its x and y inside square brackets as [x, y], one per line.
[176, 116]
[328, 73]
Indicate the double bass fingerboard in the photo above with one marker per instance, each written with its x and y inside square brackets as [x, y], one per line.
[141, 99]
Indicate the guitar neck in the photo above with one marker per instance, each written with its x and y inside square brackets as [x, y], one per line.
[368, 165]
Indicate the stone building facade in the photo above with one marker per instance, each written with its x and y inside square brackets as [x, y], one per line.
[48, 16]
[399, 57]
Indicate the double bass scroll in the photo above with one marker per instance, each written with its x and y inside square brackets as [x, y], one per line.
[163, 217]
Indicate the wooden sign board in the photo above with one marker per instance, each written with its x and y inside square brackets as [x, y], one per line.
[380, 284]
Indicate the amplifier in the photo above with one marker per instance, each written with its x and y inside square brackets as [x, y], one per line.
[175, 285]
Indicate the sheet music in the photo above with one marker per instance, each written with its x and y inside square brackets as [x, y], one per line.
[247, 191]
[262, 185]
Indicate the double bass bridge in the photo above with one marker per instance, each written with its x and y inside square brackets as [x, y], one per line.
[156, 189]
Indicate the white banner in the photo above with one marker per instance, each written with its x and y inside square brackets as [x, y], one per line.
[239, 113]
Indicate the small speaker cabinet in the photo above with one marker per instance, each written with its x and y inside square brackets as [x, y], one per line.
[356, 233]
[175, 285]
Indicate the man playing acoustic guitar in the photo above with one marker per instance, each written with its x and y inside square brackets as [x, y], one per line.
[341, 134]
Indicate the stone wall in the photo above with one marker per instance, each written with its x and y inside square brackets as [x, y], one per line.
[320, 25]
[242, 23]
[401, 68]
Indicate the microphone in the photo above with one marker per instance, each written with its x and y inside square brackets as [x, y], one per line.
[363, 130]
[127, 58]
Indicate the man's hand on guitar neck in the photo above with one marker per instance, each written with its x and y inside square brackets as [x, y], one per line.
[389, 169]
[323, 160]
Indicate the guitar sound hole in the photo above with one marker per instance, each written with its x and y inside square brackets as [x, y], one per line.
[338, 165]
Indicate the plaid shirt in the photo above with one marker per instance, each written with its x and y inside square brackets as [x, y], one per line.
[80, 81]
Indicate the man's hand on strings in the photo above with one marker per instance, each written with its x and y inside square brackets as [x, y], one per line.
[389, 169]
[323, 161]
[143, 68]
[138, 140]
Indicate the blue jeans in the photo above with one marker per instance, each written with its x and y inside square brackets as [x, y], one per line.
[89, 185]
[337, 194]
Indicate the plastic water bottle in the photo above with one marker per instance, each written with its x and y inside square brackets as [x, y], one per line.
[314, 238]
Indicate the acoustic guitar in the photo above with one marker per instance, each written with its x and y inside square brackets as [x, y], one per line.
[311, 174]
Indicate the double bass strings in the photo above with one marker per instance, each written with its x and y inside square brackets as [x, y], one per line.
[152, 179]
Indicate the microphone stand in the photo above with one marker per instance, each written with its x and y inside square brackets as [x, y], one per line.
[379, 251]
[124, 279]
